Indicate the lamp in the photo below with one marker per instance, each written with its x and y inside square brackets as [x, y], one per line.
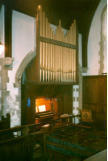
[1, 48]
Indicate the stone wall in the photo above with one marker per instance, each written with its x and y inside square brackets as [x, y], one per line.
[13, 98]
[10, 88]
[5, 66]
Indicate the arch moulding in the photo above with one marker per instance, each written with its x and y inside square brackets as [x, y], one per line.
[27, 59]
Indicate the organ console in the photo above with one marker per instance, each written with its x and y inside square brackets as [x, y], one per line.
[56, 53]
[45, 116]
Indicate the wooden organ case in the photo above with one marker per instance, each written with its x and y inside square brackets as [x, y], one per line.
[56, 53]
[54, 70]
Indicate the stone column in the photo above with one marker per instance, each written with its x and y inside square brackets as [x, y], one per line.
[10, 96]
[5, 66]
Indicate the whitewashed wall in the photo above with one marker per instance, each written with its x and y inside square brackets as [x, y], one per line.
[94, 42]
[23, 36]
[23, 41]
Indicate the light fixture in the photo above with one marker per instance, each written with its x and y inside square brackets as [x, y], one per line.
[39, 7]
[1, 48]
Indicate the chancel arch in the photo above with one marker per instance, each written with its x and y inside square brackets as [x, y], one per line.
[27, 59]
[103, 42]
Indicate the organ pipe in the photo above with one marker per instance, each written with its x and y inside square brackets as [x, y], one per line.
[57, 61]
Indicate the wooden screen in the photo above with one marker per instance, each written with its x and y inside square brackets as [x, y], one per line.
[95, 97]
[56, 52]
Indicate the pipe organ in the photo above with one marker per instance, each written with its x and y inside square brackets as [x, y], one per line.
[56, 52]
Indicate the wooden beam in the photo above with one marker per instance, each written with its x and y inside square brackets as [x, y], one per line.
[56, 42]
[8, 29]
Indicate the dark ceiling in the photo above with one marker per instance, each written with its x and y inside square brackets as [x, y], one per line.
[66, 10]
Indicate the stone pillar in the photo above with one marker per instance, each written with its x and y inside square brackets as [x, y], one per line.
[76, 101]
[10, 95]
[14, 103]
[5, 66]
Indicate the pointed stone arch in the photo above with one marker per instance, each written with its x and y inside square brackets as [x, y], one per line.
[14, 100]
[103, 40]
[27, 59]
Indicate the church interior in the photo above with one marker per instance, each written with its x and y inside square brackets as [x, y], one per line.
[53, 80]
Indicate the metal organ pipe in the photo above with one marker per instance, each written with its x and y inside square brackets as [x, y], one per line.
[57, 61]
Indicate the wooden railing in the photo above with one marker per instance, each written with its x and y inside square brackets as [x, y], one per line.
[5, 122]
[18, 143]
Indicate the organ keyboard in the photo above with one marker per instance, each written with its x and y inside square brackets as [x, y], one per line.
[45, 116]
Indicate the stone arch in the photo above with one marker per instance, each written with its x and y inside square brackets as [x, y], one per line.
[102, 40]
[94, 39]
[27, 59]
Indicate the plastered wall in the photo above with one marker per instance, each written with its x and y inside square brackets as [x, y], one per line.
[23, 36]
[94, 43]
[23, 45]
[23, 41]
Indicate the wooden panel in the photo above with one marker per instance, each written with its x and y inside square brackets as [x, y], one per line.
[57, 42]
[8, 30]
[95, 96]
[63, 94]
